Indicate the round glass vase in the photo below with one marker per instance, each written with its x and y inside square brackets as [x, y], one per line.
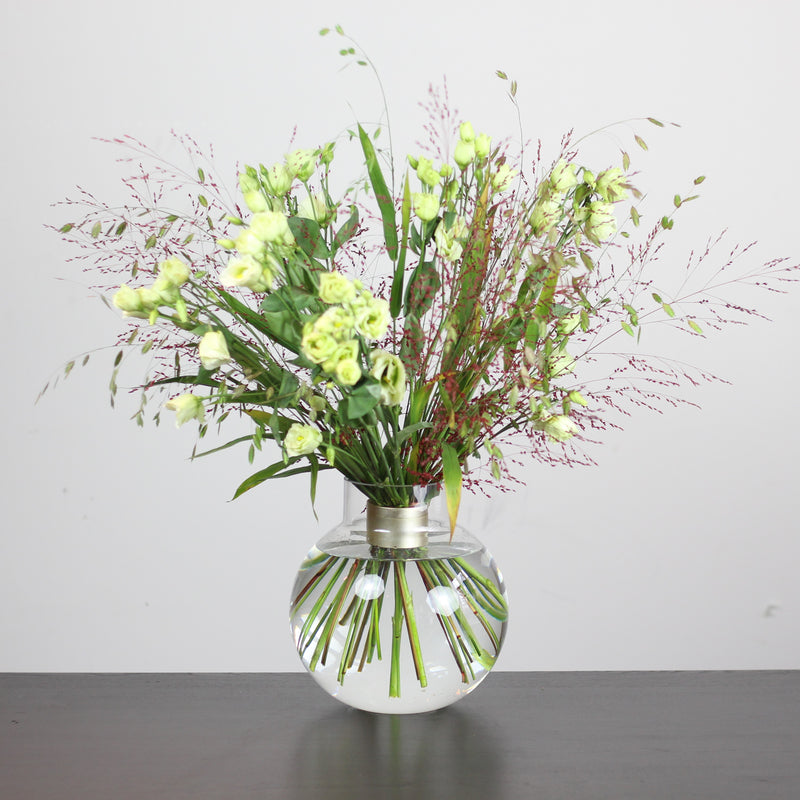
[391, 614]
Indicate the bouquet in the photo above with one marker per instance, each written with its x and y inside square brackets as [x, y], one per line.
[428, 325]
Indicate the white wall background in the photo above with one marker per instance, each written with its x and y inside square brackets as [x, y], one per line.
[678, 551]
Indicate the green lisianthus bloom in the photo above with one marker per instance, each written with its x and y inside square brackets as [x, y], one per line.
[389, 371]
[336, 288]
[301, 440]
[186, 407]
[426, 205]
[372, 321]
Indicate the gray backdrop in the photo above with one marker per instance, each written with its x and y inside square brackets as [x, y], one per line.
[678, 550]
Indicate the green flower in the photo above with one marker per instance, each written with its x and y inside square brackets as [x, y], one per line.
[186, 407]
[248, 244]
[174, 271]
[464, 154]
[337, 322]
[317, 345]
[563, 177]
[348, 373]
[271, 227]
[501, 179]
[301, 440]
[247, 272]
[372, 321]
[426, 206]
[546, 213]
[346, 351]
[389, 371]
[213, 351]
[558, 427]
[336, 288]
[483, 145]
[255, 201]
[611, 185]
[601, 224]
[466, 132]
[127, 300]
[427, 174]
[301, 163]
[314, 207]
[278, 179]
[447, 246]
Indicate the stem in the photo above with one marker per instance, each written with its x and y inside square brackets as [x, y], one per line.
[397, 631]
[411, 623]
[427, 580]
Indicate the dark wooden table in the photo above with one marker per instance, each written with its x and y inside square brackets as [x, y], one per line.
[643, 736]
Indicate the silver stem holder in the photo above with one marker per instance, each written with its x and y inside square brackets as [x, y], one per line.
[399, 528]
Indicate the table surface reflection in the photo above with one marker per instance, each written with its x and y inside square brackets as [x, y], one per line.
[537, 735]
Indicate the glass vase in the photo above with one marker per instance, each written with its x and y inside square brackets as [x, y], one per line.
[392, 614]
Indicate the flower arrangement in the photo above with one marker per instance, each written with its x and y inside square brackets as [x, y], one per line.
[408, 361]
[408, 334]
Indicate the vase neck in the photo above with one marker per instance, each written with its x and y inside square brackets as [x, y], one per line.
[400, 528]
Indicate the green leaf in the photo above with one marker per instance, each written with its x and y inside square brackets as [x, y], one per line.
[627, 328]
[150, 242]
[502, 75]
[699, 179]
[382, 195]
[587, 260]
[655, 122]
[66, 228]
[346, 231]
[120, 228]
[451, 473]
[201, 174]
[694, 326]
[399, 272]
[626, 161]
[676, 201]
[363, 399]
[96, 228]
[657, 298]
[422, 287]
[635, 216]
[409, 430]
[202, 200]
[277, 470]
[641, 142]
[288, 298]
[307, 235]
[668, 309]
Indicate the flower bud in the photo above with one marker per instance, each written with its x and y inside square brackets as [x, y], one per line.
[466, 132]
[255, 201]
[483, 145]
[464, 153]
[213, 350]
